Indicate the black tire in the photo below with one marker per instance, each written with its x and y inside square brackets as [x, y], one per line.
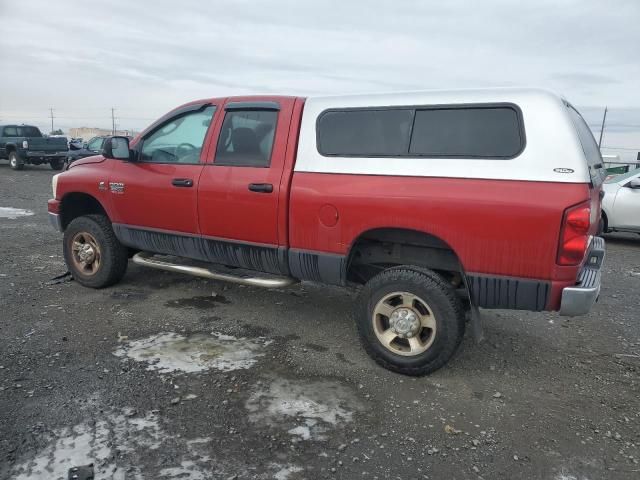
[15, 161]
[113, 255]
[57, 163]
[443, 302]
[603, 226]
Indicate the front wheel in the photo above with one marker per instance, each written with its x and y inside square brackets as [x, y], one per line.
[92, 252]
[410, 320]
[15, 161]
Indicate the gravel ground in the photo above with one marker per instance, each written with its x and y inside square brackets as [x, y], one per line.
[167, 376]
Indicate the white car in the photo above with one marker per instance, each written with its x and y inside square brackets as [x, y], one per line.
[621, 203]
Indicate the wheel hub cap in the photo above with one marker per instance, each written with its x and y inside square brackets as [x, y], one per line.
[86, 253]
[404, 322]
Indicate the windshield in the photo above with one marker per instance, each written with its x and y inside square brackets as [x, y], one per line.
[623, 177]
[32, 132]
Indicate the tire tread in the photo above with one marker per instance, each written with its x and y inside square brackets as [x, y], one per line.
[418, 276]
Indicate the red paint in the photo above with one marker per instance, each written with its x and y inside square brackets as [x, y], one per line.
[53, 206]
[493, 226]
[227, 208]
[149, 198]
[328, 215]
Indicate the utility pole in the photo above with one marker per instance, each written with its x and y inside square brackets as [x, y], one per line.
[52, 117]
[113, 122]
[604, 119]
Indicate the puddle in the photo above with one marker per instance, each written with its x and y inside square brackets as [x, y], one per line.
[13, 213]
[172, 352]
[202, 302]
[310, 407]
[107, 443]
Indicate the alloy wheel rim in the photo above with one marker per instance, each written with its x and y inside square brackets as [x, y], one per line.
[85, 253]
[404, 323]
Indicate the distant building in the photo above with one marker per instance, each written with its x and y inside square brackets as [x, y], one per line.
[86, 133]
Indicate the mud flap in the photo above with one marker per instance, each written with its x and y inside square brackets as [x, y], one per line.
[476, 319]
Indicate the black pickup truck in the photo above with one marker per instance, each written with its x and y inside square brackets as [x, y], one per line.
[24, 144]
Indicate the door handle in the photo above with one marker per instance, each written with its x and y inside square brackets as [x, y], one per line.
[261, 187]
[182, 182]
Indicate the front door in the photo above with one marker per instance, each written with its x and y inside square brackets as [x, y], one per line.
[238, 195]
[154, 199]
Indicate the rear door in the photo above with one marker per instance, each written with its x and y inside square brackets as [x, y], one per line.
[238, 194]
[154, 199]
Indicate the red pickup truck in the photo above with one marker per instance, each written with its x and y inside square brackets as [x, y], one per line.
[437, 203]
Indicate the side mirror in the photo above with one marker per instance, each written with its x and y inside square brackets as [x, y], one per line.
[635, 184]
[117, 148]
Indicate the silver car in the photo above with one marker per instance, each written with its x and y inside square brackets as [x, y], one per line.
[621, 203]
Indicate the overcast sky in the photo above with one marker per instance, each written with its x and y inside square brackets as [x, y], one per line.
[145, 57]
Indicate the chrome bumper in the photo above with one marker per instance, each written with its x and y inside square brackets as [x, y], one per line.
[579, 299]
[54, 220]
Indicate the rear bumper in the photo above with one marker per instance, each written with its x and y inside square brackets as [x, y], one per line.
[44, 156]
[578, 299]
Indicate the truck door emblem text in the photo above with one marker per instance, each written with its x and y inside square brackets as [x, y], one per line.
[116, 187]
[563, 170]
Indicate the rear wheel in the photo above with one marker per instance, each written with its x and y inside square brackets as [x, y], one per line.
[15, 161]
[410, 320]
[57, 163]
[603, 226]
[92, 252]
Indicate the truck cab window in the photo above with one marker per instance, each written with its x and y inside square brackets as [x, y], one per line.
[10, 132]
[32, 132]
[95, 145]
[179, 140]
[246, 138]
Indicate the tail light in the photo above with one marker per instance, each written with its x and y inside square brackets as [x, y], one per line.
[574, 234]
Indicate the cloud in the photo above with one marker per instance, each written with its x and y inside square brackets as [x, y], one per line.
[146, 57]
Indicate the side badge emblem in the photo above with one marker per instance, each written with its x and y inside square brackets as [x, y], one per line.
[102, 186]
[563, 170]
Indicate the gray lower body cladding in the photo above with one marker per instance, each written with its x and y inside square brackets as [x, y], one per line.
[487, 291]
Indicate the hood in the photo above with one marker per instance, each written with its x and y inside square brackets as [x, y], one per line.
[87, 160]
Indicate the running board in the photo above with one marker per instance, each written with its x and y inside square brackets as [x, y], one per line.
[146, 259]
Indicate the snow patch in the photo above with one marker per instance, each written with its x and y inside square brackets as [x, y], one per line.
[107, 443]
[13, 213]
[284, 472]
[172, 352]
[314, 406]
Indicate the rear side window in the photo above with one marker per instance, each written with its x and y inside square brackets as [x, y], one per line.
[470, 131]
[32, 132]
[589, 146]
[10, 132]
[365, 132]
[466, 132]
[246, 138]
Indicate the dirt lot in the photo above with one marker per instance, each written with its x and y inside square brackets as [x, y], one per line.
[167, 376]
